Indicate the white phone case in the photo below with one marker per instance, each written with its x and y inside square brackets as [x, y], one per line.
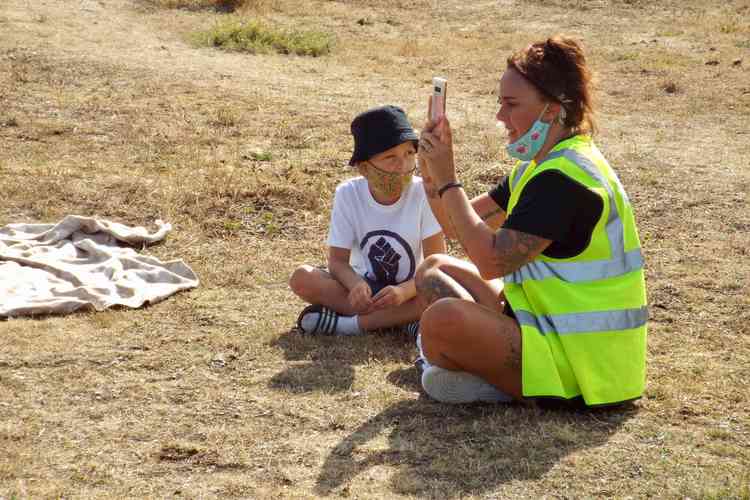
[439, 90]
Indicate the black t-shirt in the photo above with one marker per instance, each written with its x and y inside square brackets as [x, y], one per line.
[555, 207]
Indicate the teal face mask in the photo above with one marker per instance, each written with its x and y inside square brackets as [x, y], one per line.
[528, 145]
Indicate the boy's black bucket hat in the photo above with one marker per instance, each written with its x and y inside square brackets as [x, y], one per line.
[379, 129]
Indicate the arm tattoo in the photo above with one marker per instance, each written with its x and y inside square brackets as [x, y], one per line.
[491, 214]
[512, 249]
[433, 288]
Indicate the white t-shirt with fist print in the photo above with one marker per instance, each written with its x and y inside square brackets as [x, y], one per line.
[385, 240]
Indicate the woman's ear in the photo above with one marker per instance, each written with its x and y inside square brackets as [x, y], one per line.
[553, 112]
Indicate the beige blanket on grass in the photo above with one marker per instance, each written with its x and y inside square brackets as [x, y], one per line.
[79, 262]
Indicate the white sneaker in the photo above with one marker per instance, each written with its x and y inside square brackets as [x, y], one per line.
[421, 362]
[448, 386]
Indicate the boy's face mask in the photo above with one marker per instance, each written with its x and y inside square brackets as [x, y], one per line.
[388, 184]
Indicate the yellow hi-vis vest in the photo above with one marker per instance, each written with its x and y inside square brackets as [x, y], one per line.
[583, 319]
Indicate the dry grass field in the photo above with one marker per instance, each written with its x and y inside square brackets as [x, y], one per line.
[108, 108]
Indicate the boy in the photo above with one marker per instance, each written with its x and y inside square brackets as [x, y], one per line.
[381, 229]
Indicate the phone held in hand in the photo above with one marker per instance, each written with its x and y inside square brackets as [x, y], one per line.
[439, 90]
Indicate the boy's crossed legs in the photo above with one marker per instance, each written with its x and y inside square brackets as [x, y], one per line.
[317, 286]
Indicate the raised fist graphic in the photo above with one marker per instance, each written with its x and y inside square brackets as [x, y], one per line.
[384, 261]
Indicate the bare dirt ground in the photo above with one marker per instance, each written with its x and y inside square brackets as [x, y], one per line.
[107, 110]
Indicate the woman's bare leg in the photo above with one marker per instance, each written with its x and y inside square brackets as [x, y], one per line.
[461, 335]
[463, 328]
[441, 276]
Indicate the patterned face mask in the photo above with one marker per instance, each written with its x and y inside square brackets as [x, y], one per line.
[529, 144]
[388, 184]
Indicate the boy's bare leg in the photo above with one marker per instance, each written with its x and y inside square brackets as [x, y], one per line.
[392, 316]
[317, 286]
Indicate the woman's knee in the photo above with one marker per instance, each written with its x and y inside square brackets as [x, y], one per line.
[429, 265]
[430, 262]
[444, 320]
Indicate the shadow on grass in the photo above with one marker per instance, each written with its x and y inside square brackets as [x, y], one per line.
[447, 451]
[326, 364]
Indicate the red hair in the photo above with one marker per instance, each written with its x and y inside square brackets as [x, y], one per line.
[558, 70]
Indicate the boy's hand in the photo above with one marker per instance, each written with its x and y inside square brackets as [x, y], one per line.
[389, 296]
[360, 297]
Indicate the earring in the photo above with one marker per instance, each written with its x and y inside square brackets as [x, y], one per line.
[562, 115]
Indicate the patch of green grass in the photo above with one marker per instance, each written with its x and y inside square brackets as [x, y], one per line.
[261, 155]
[232, 225]
[254, 37]
[670, 31]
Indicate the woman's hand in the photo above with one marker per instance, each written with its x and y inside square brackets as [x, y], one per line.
[390, 296]
[436, 151]
[360, 297]
[427, 181]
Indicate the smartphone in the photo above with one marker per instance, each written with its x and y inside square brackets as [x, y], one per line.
[439, 89]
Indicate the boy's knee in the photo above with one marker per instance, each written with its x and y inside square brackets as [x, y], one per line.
[300, 279]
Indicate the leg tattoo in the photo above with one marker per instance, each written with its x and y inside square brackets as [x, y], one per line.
[433, 288]
[513, 358]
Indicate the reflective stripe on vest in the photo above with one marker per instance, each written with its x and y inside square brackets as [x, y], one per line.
[618, 264]
[599, 321]
[519, 173]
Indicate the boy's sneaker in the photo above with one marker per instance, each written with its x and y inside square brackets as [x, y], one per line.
[455, 387]
[412, 329]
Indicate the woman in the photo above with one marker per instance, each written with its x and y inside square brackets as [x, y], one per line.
[570, 322]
